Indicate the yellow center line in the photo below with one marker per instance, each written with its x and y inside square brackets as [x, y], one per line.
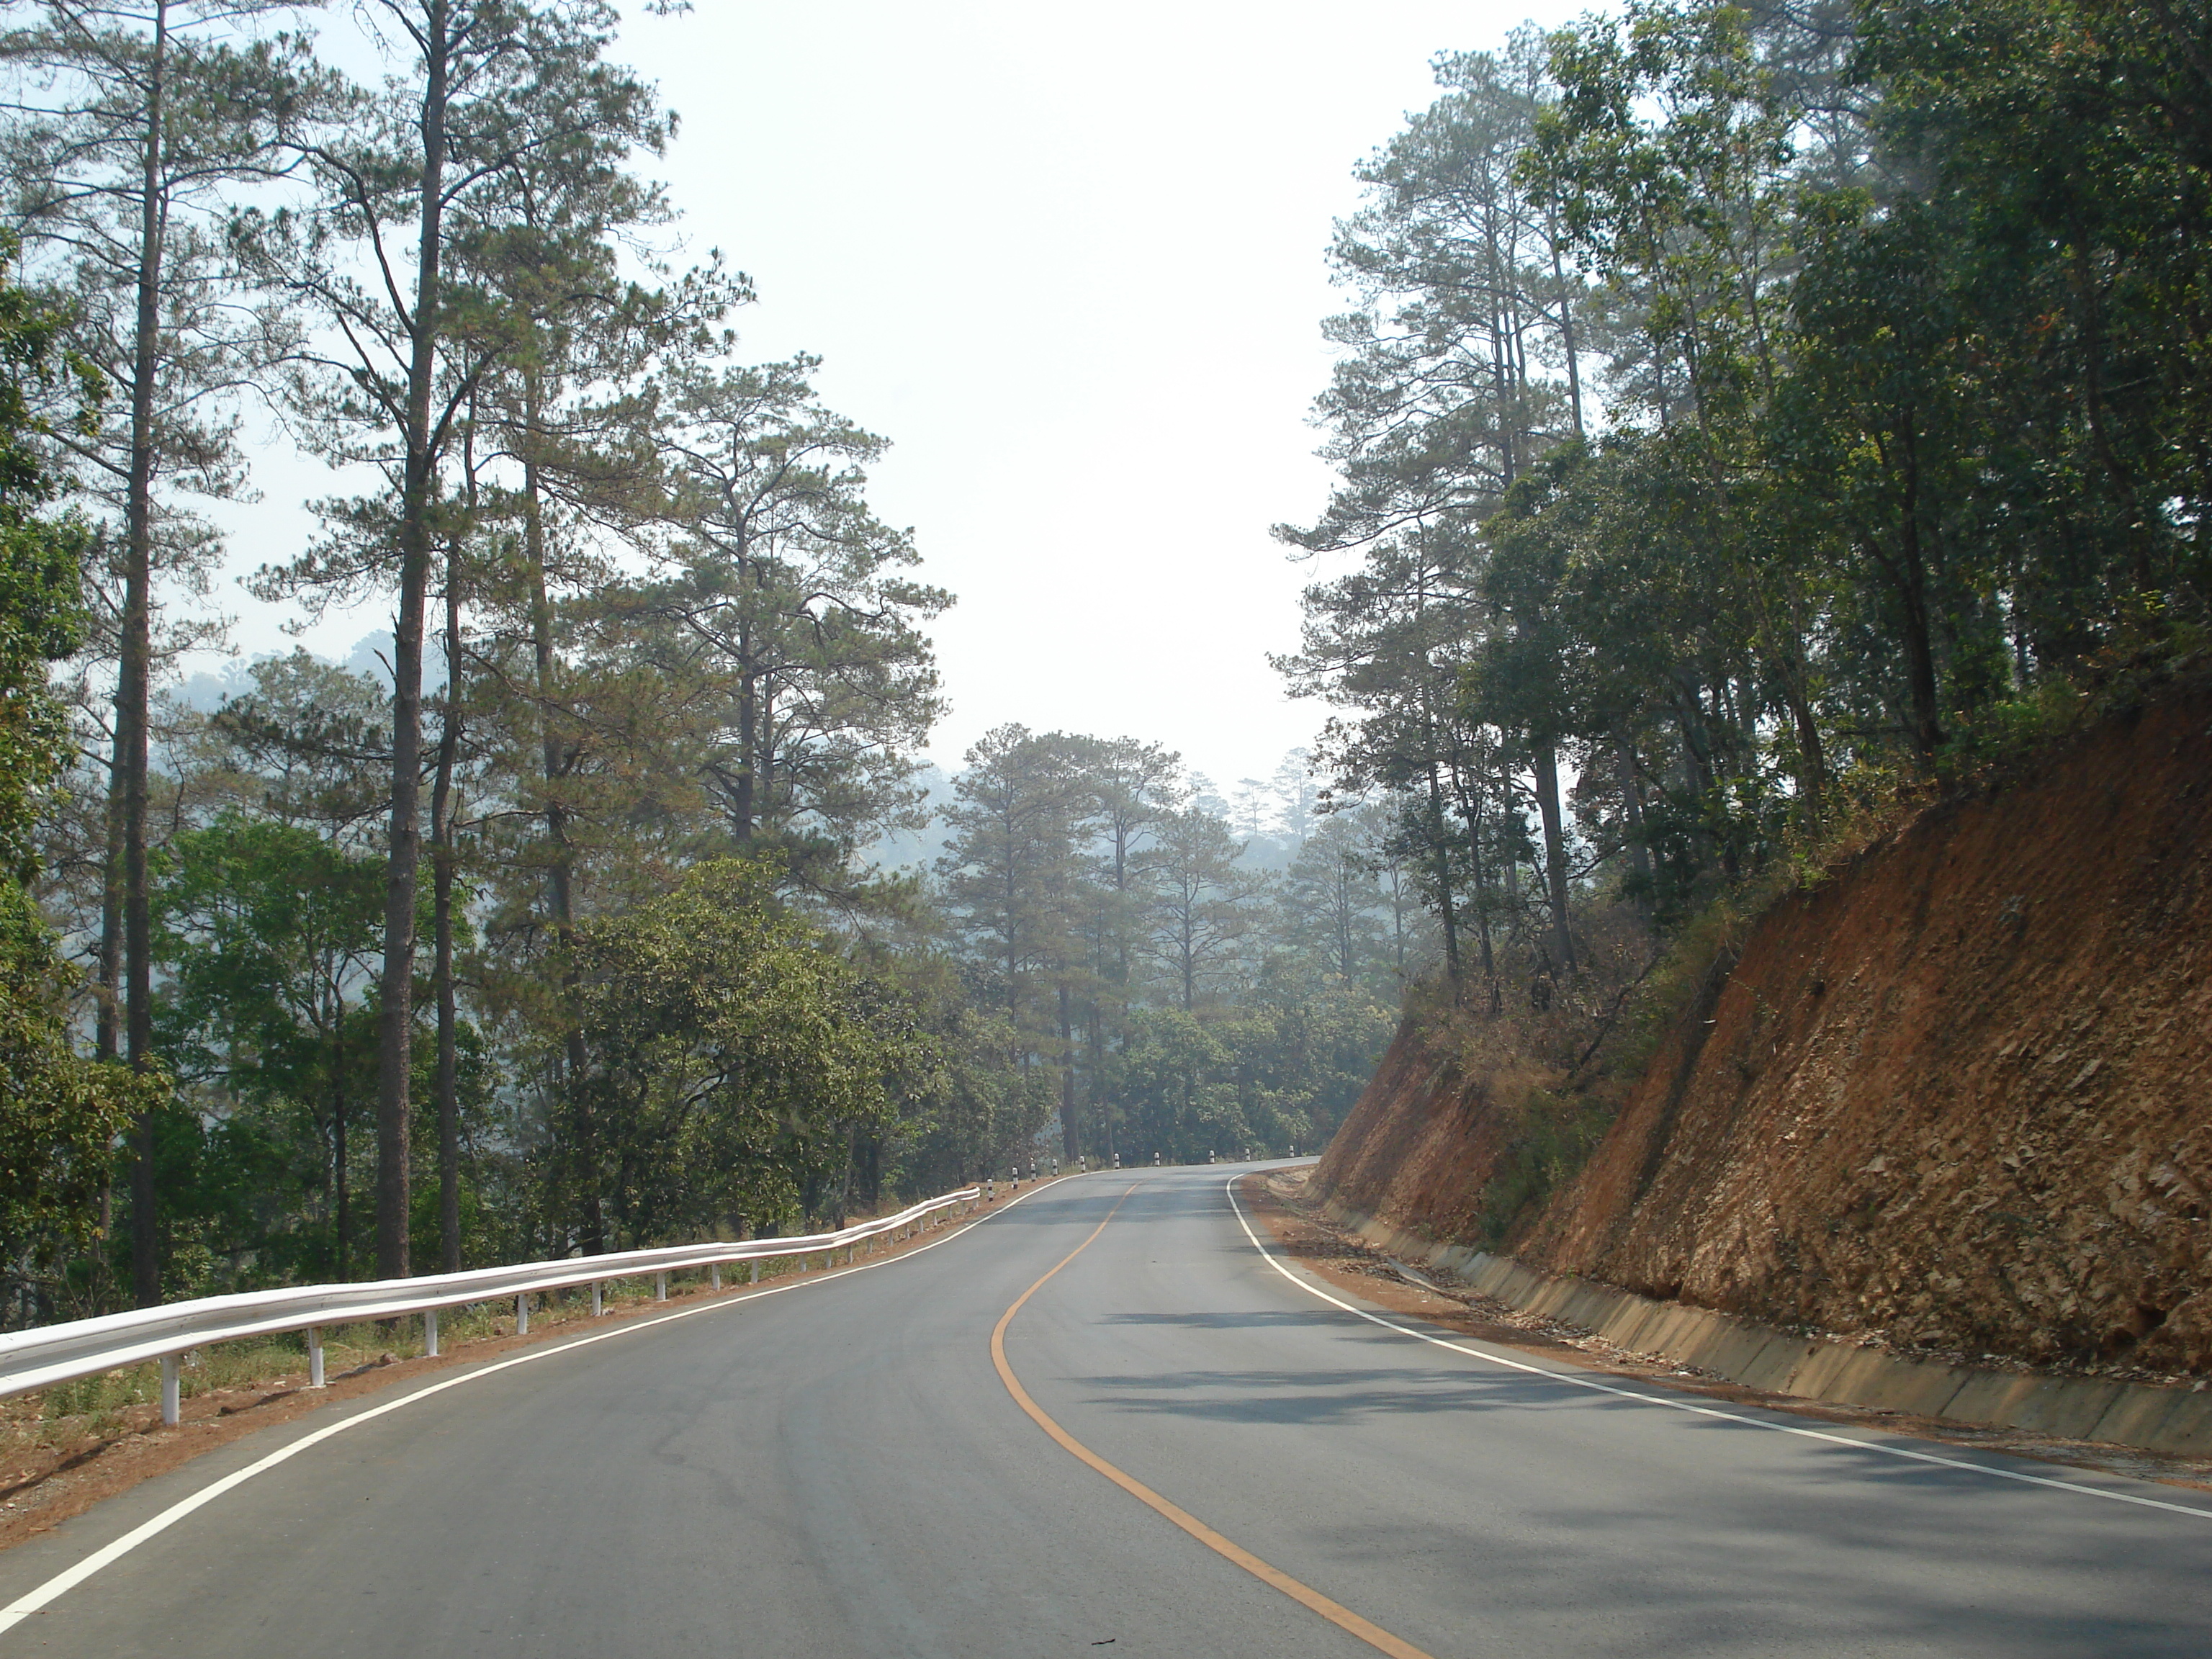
[1305, 1595]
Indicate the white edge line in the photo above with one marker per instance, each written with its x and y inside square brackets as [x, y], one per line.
[70, 1577]
[1904, 1452]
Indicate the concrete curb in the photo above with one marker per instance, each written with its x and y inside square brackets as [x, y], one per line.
[2157, 1417]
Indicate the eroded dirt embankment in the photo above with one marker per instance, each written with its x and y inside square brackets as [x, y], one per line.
[1960, 1093]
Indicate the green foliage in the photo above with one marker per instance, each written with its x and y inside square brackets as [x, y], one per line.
[1902, 320]
[59, 1114]
[1552, 1137]
[732, 1057]
[1280, 1070]
[267, 934]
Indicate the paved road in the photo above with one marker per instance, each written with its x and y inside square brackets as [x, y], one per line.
[839, 1472]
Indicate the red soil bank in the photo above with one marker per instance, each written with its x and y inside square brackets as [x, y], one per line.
[1959, 1093]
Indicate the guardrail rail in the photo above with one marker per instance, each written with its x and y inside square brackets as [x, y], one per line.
[40, 1358]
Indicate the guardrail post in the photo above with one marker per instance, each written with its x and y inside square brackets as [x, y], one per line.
[477, 1292]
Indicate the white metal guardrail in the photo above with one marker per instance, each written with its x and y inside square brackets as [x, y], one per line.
[40, 1358]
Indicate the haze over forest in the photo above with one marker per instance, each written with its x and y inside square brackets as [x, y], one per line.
[1739, 420]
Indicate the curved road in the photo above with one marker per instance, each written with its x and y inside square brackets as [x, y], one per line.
[840, 1471]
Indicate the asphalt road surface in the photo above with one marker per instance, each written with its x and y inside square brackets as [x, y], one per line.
[840, 1471]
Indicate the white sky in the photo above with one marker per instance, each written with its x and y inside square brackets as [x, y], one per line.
[1070, 260]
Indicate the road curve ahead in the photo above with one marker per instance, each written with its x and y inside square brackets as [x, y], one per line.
[842, 1471]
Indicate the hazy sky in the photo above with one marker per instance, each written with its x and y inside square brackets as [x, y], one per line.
[1070, 260]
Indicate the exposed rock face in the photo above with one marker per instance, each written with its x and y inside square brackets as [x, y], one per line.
[1960, 1093]
[1424, 1136]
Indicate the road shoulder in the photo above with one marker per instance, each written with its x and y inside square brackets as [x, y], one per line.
[1351, 1267]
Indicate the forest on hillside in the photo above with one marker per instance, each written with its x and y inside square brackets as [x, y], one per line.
[1745, 417]
[583, 910]
[1749, 419]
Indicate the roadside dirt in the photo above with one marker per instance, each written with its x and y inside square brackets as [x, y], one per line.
[42, 1486]
[1282, 1199]
[1952, 1097]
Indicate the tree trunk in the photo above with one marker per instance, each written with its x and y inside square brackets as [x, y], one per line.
[1346, 912]
[1811, 751]
[1096, 1041]
[1397, 919]
[559, 884]
[1444, 875]
[742, 810]
[1912, 599]
[107, 1027]
[134, 668]
[1567, 333]
[1477, 868]
[1555, 854]
[448, 1087]
[395, 1014]
[107, 1022]
[1631, 818]
[1069, 1144]
[339, 1183]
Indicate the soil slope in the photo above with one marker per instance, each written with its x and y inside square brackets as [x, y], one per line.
[1960, 1093]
